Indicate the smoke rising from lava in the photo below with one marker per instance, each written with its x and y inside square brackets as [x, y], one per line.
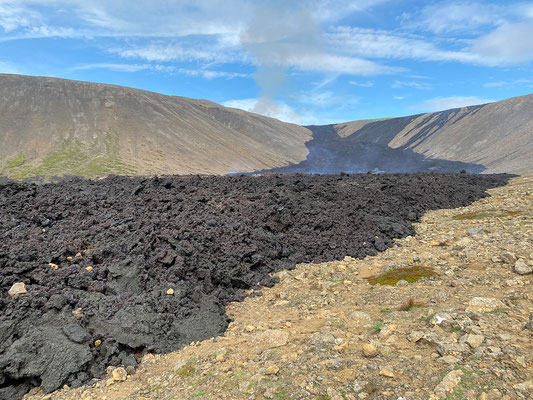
[278, 33]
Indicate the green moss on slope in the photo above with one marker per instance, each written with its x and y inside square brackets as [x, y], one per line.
[16, 162]
[100, 158]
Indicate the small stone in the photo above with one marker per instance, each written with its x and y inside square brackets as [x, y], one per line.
[524, 386]
[449, 383]
[402, 283]
[415, 336]
[450, 360]
[89, 268]
[347, 282]
[119, 374]
[170, 292]
[386, 372]
[476, 230]
[494, 394]
[521, 267]
[77, 313]
[272, 370]
[250, 328]
[78, 255]
[369, 350]
[130, 370]
[484, 304]
[55, 267]
[17, 289]
[69, 258]
[97, 343]
[474, 340]
[219, 358]
[269, 339]
[529, 324]
[508, 257]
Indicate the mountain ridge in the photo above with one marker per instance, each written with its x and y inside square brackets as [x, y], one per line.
[53, 126]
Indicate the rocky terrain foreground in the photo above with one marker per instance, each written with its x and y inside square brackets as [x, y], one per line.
[325, 332]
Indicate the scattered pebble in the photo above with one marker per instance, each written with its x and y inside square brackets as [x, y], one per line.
[77, 313]
[272, 370]
[369, 350]
[17, 289]
[386, 372]
[521, 267]
[119, 374]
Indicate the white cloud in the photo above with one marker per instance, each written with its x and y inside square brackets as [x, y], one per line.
[516, 82]
[14, 16]
[411, 84]
[373, 43]
[460, 16]
[202, 73]
[362, 84]
[208, 74]
[446, 103]
[125, 67]
[320, 99]
[495, 84]
[162, 51]
[278, 110]
[323, 62]
[160, 18]
[332, 10]
[507, 45]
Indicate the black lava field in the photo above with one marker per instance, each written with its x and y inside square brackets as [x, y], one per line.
[207, 238]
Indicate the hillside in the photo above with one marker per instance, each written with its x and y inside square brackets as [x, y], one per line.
[52, 126]
[497, 135]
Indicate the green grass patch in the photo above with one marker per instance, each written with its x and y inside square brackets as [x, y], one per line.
[188, 369]
[377, 327]
[281, 394]
[409, 274]
[16, 162]
[99, 158]
[469, 381]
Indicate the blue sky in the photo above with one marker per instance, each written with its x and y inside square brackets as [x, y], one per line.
[306, 61]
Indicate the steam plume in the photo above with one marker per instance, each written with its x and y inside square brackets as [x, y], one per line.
[277, 33]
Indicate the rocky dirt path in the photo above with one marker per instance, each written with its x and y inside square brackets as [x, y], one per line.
[324, 332]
